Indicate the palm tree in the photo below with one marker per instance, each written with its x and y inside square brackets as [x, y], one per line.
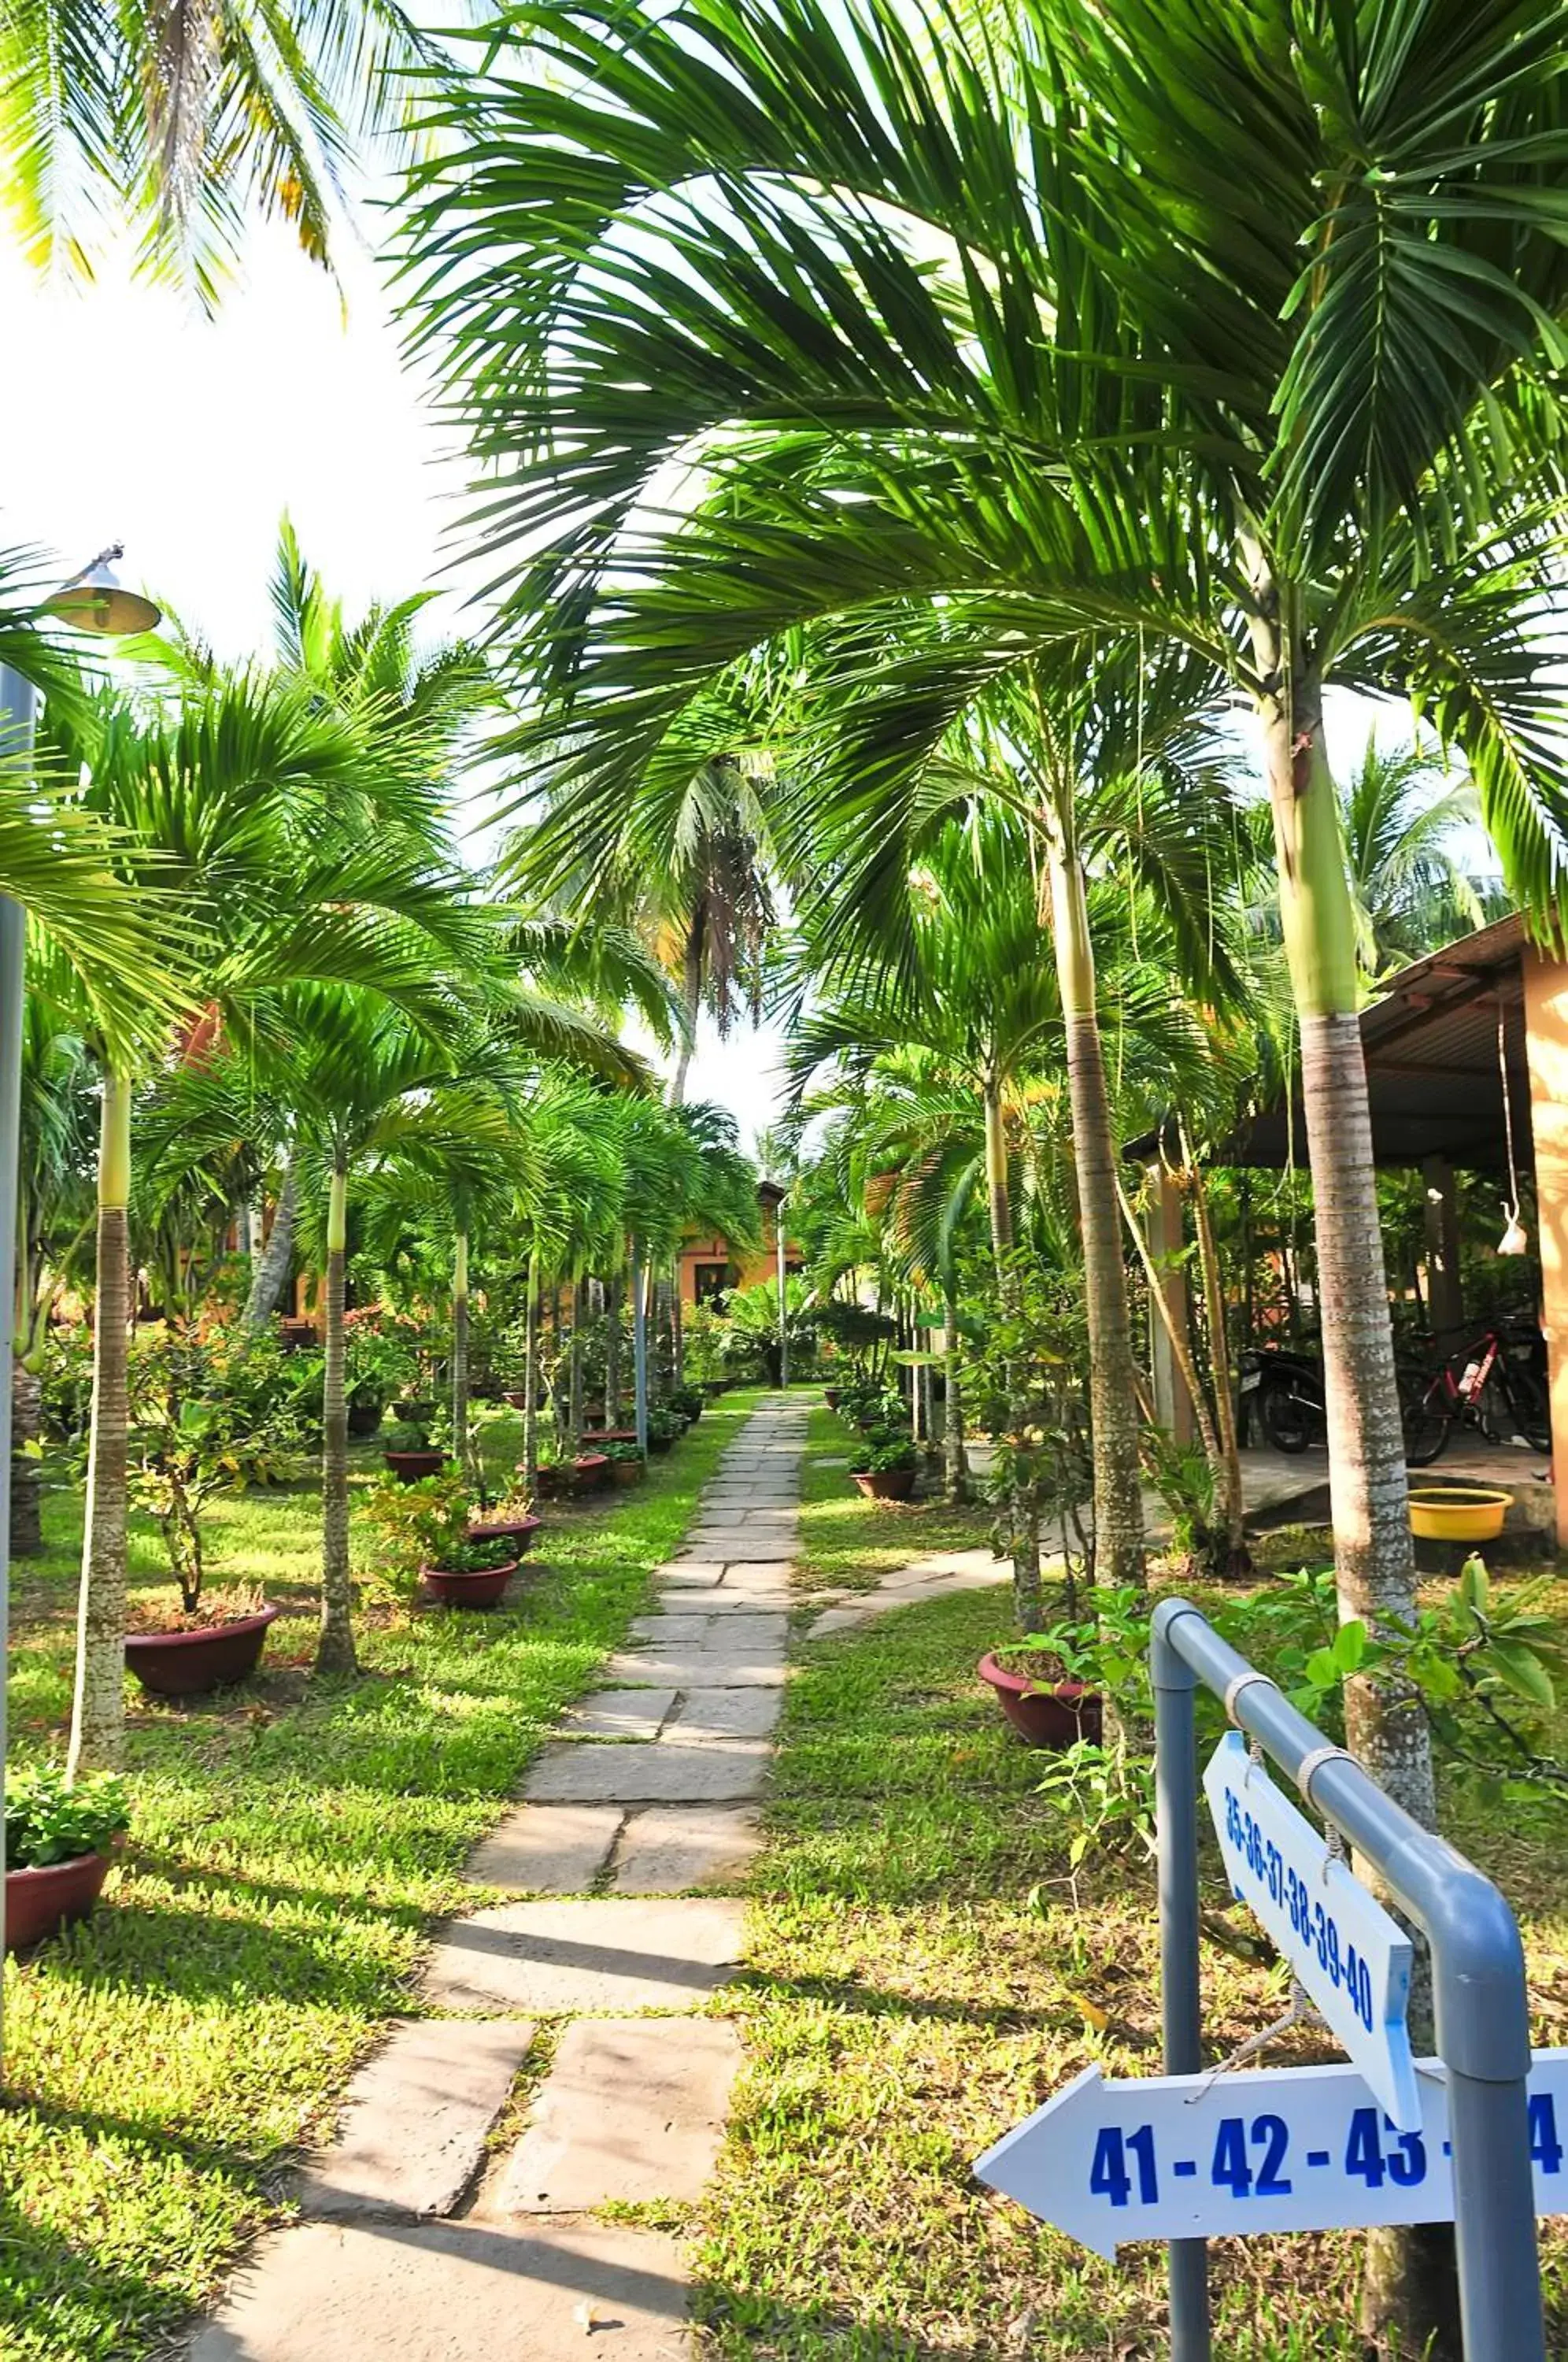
[1166, 320]
[249, 780]
[181, 117]
[412, 708]
[1406, 820]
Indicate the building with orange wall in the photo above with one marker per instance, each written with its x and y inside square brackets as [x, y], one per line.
[710, 1267]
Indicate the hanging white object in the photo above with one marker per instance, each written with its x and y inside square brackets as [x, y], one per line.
[1516, 1238]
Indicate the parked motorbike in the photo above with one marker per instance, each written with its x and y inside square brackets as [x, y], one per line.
[1282, 1389]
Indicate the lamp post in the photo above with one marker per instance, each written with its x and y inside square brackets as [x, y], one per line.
[91, 602]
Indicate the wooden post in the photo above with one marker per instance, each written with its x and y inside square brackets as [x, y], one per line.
[1546, 1041]
[1442, 1245]
[1173, 1404]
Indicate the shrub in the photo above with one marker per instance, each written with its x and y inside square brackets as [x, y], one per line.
[48, 1821]
[426, 1524]
[192, 1439]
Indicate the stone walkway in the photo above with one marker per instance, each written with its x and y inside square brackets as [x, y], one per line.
[426, 2235]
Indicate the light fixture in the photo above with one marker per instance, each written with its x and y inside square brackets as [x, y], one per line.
[94, 601]
[1514, 1240]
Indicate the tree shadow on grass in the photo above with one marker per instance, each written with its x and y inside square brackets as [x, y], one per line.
[58, 2297]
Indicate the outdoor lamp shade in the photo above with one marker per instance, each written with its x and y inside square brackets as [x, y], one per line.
[98, 604]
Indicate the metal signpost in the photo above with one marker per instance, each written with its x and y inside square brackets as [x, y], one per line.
[1474, 2135]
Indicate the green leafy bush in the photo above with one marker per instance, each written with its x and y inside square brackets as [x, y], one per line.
[48, 1821]
[887, 1453]
[426, 1524]
[193, 1438]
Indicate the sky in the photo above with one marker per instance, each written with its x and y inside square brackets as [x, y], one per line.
[125, 416]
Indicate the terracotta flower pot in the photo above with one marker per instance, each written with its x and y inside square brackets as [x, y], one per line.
[661, 1443]
[830, 1396]
[517, 1400]
[1055, 1715]
[408, 1467]
[38, 1903]
[886, 1484]
[186, 1664]
[625, 1473]
[518, 1532]
[599, 1435]
[591, 1471]
[459, 1590]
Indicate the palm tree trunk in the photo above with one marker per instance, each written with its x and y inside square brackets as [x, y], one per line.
[1022, 1515]
[98, 1709]
[1238, 1557]
[1118, 1497]
[691, 959]
[531, 1379]
[677, 1330]
[574, 1371]
[612, 1352]
[955, 1468]
[1407, 2287]
[334, 1649]
[460, 1350]
[267, 1281]
[1181, 1351]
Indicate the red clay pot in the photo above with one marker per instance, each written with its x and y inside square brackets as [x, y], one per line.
[184, 1665]
[626, 1473]
[38, 1903]
[458, 1590]
[591, 1471]
[1044, 1717]
[408, 1467]
[830, 1396]
[518, 1401]
[611, 1435]
[886, 1484]
[518, 1532]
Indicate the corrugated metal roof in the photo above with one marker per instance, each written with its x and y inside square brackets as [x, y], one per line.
[1431, 1063]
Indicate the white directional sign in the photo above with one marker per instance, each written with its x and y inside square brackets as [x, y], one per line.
[1294, 2148]
[1349, 1956]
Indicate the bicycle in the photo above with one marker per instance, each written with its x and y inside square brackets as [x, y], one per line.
[1503, 1369]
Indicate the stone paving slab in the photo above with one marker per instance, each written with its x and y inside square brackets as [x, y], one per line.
[672, 1626]
[416, 2115]
[671, 2080]
[649, 1774]
[758, 1574]
[547, 1850]
[691, 1573]
[624, 1714]
[742, 1599]
[698, 1669]
[703, 1714]
[669, 1848]
[733, 1550]
[596, 1953]
[909, 1586]
[454, 2293]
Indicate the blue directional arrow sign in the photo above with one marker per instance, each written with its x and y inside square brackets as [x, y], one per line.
[1294, 2148]
[1349, 1955]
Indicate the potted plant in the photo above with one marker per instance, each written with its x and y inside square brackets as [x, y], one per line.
[1051, 1683]
[885, 1469]
[409, 1453]
[664, 1427]
[511, 1519]
[591, 1472]
[58, 1844]
[428, 1538]
[377, 1366]
[686, 1403]
[189, 1447]
[626, 1463]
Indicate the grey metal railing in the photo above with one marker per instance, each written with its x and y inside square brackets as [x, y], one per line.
[1478, 1980]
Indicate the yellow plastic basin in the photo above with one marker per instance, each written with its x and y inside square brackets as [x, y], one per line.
[1445, 1513]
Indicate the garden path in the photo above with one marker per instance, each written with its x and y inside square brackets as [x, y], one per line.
[435, 2230]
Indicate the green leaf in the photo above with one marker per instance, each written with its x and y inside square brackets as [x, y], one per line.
[1523, 1671]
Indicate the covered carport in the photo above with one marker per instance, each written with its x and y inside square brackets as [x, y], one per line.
[1462, 1047]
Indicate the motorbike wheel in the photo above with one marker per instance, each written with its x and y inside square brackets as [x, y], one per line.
[1287, 1421]
[1427, 1423]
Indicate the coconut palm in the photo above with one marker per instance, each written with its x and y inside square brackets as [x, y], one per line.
[182, 118]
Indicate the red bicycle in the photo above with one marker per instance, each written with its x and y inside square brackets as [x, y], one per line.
[1498, 1385]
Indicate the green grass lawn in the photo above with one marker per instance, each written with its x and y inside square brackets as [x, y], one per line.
[291, 1845]
[908, 2003]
